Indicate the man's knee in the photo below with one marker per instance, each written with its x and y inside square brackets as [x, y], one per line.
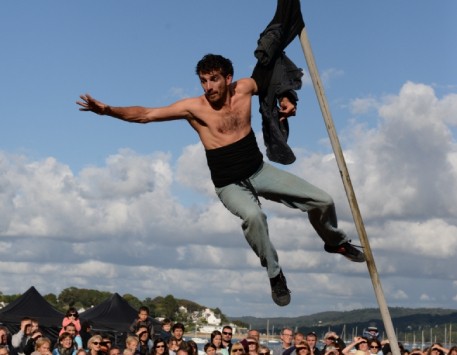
[254, 217]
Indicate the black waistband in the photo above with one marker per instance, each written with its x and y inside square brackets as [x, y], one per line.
[234, 162]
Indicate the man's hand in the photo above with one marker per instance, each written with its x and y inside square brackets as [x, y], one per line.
[88, 103]
[286, 108]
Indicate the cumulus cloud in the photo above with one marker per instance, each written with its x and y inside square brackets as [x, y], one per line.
[124, 227]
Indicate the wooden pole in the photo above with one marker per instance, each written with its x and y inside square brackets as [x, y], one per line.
[319, 89]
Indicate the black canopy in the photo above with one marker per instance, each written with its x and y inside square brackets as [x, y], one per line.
[114, 314]
[31, 304]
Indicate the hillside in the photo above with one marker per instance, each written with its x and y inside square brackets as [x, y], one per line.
[406, 321]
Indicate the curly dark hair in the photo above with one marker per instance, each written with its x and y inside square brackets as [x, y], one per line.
[214, 62]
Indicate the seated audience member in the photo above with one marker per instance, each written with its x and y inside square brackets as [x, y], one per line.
[77, 340]
[209, 349]
[332, 339]
[42, 346]
[253, 346]
[131, 343]
[360, 344]
[165, 330]
[94, 345]
[29, 347]
[216, 340]
[237, 349]
[173, 345]
[65, 345]
[5, 340]
[72, 316]
[19, 339]
[4, 350]
[302, 348]
[143, 320]
[160, 347]
[311, 340]
[374, 346]
[144, 341]
[192, 347]
[177, 331]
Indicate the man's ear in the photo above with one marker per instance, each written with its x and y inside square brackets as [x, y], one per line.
[228, 79]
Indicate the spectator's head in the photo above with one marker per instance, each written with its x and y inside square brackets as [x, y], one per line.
[4, 350]
[166, 324]
[43, 345]
[65, 340]
[209, 349]
[237, 349]
[3, 335]
[160, 347]
[178, 331]
[311, 339]
[143, 313]
[254, 333]
[72, 313]
[94, 343]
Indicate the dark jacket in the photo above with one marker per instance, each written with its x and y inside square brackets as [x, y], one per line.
[277, 76]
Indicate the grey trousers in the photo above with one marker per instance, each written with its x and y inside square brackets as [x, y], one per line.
[281, 186]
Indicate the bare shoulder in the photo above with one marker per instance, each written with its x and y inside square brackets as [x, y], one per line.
[245, 86]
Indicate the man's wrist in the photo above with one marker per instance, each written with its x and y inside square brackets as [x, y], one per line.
[106, 110]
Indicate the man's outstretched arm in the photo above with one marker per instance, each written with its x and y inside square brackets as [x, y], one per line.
[137, 114]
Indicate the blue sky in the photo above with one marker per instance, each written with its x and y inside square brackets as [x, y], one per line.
[90, 201]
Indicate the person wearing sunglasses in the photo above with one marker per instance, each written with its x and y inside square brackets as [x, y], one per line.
[227, 334]
[159, 347]
[374, 346]
[237, 349]
[94, 345]
[71, 317]
[264, 350]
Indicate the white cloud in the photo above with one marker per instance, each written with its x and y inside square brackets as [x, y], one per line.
[124, 227]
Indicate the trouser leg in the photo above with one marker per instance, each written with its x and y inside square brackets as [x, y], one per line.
[281, 186]
[242, 202]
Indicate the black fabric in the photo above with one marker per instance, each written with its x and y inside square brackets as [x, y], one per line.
[114, 314]
[277, 76]
[31, 304]
[234, 162]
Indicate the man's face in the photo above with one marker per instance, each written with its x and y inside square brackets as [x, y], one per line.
[178, 333]
[142, 316]
[227, 335]
[254, 334]
[311, 340]
[215, 86]
[298, 338]
[286, 336]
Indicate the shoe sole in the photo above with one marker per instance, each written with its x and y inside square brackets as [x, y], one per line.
[282, 301]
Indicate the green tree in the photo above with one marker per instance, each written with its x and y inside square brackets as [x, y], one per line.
[52, 299]
[132, 300]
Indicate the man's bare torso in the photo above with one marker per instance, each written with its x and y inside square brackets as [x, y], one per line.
[219, 127]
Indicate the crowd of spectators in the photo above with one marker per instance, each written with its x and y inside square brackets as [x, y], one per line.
[76, 338]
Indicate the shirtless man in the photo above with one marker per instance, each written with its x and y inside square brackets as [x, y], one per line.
[222, 119]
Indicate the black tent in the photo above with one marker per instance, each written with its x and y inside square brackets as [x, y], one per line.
[31, 304]
[113, 314]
